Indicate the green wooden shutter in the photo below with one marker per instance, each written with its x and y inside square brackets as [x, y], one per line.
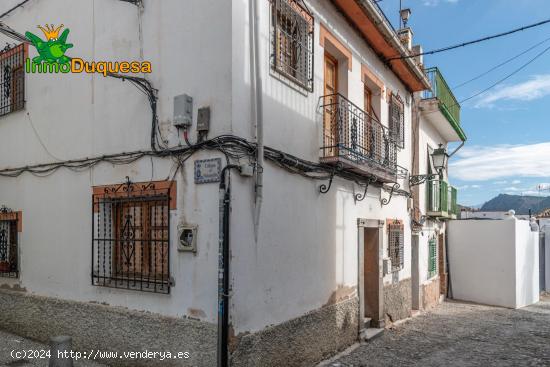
[432, 258]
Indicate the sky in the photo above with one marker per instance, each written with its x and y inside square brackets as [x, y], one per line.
[508, 127]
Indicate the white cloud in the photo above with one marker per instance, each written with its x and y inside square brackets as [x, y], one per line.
[493, 162]
[475, 186]
[503, 182]
[538, 86]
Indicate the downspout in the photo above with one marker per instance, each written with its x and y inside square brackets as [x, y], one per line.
[457, 148]
[223, 268]
[257, 110]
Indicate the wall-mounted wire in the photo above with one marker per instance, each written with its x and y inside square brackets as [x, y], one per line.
[135, 2]
[13, 8]
[233, 147]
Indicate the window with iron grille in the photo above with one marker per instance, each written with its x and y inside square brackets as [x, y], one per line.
[131, 237]
[12, 79]
[396, 245]
[397, 120]
[292, 41]
[9, 251]
[432, 257]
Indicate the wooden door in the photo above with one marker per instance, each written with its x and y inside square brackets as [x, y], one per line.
[330, 118]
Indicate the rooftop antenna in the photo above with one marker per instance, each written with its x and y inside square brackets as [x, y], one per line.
[400, 9]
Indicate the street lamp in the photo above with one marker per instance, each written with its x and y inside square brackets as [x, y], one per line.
[439, 161]
[439, 158]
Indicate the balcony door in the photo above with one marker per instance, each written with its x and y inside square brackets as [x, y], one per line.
[330, 116]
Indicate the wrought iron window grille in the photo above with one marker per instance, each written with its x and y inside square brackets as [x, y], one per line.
[131, 237]
[292, 35]
[9, 243]
[396, 245]
[397, 120]
[12, 78]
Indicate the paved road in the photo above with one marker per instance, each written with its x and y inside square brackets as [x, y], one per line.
[10, 342]
[461, 334]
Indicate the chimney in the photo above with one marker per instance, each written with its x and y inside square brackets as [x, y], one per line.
[417, 50]
[406, 37]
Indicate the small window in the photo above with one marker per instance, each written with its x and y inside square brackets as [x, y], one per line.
[9, 250]
[432, 258]
[131, 236]
[292, 41]
[12, 79]
[397, 120]
[396, 245]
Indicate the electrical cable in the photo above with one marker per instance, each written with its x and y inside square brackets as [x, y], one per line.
[231, 146]
[501, 64]
[14, 8]
[6, 30]
[507, 76]
[448, 48]
[40, 139]
[497, 82]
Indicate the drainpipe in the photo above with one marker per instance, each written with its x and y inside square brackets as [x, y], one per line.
[223, 268]
[457, 148]
[257, 110]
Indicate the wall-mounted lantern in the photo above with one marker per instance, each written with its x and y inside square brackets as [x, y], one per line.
[439, 161]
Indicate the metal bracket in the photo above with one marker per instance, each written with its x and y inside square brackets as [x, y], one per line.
[420, 179]
[386, 201]
[323, 189]
[361, 197]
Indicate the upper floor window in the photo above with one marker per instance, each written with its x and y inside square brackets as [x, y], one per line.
[131, 227]
[12, 79]
[396, 251]
[397, 120]
[292, 41]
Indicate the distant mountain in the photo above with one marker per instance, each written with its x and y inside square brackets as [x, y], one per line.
[521, 204]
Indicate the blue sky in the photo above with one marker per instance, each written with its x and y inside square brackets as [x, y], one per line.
[508, 128]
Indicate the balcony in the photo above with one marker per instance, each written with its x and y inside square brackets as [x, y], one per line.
[442, 200]
[357, 140]
[441, 108]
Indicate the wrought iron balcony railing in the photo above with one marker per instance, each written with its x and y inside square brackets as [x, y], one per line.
[352, 135]
[448, 103]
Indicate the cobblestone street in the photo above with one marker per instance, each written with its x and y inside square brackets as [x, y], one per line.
[11, 344]
[461, 334]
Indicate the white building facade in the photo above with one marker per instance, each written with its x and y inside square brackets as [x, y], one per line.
[111, 185]
[435, 200]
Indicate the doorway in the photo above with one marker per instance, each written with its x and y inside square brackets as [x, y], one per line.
[371, 297]
[372, 273]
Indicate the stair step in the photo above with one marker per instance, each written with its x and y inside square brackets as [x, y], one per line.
[371, 333]
[367, 322]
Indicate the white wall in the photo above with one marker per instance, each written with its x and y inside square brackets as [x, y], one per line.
[81, 115]
[546, 229]
[428, 137]
[307, 242]
[493, 262]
